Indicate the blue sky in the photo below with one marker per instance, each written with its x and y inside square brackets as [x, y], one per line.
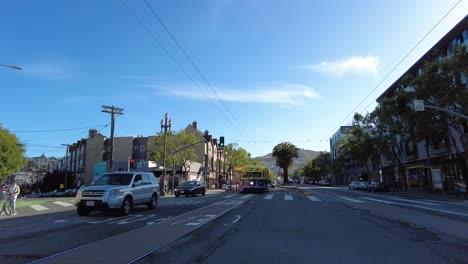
[277, 70]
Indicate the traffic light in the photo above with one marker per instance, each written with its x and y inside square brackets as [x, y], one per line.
[132, 163]
[221, 142]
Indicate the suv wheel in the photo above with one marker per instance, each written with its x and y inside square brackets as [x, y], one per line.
[203, 193]
[153, 202]
[82, 212]
[126, 207]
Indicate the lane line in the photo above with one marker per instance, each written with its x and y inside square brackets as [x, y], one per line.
[268, 197]
[350, 199]
[230, 196]
[414, 201]
[246, 196]
[416, 206]
[288, 197]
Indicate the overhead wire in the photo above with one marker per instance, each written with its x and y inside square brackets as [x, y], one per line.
[56, 130]
[391, 71]
[173, 59]
[195, 67]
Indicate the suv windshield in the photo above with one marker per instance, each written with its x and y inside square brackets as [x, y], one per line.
[114, 179]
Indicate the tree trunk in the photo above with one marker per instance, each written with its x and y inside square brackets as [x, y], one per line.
[285, 175]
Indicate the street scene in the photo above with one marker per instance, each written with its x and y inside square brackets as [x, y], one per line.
[220, 131]
[314, 221]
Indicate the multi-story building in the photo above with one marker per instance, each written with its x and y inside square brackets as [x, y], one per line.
[346, 175]
[434, 164]
[208, 155]
[88, 158]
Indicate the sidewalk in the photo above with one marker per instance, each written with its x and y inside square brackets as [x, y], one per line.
[428, 195]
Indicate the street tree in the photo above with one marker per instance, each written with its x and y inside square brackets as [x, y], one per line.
[174, 142]
[443, 83]
[11, 153]
[285, 153]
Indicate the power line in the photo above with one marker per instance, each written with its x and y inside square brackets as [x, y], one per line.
[45, 139]
[173, 59]
[393, 69]
[55, 130]
[195, 66]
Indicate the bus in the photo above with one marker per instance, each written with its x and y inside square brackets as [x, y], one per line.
[255, 178]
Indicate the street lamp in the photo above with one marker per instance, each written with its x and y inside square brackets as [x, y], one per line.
[66, 164]
[11, 66]
[164, 125]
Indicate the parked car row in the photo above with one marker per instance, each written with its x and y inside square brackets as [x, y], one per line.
[55, 193]
[322, 182]
[368, 186]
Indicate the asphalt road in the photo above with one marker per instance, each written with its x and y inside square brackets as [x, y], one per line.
[37, 234]
[309, 225]
[285, 226]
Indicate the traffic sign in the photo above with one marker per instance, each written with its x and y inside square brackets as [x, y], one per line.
[418, 105]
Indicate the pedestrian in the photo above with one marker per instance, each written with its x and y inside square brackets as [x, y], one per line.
[14, 191]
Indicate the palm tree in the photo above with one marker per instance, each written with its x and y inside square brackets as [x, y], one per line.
[284, 153]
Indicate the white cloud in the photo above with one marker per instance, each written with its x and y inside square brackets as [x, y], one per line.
[286, 94]
[356, 65]
[48, 70]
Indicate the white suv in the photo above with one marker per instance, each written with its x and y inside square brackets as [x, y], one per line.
[120, 191]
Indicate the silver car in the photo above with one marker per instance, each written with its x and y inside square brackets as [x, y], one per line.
[118, 191]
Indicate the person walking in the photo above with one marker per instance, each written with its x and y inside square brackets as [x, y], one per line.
[14, 191]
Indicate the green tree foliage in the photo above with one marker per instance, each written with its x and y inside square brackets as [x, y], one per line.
[443, 83]
[236, 156]
[284, 153]
[174, 142]
[11, 153]
[317, 168]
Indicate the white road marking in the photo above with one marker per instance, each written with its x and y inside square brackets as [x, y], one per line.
[246, 196]
[230, 196]
[313, 198]
[38, 207]
[64, 204]
[268, 197]
[136, 220]
[238, 217]
[413, 205]
[414, 201]
[202, 220]
[350, 199]
[288, 197]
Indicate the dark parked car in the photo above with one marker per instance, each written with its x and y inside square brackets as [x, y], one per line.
[190, 188]
[378, 187]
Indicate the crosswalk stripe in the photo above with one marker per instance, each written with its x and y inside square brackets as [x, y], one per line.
[246, 196]
[288, 197]
[38, 207]
[230, 196]
[350, 199]
[64, 204]
[268, 197]
[313, 198]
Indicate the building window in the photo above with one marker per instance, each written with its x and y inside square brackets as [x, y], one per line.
[142, 148]
[410, 148]
[464, 36]
[136, 148]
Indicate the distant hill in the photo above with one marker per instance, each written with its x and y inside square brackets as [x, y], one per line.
[304, 156]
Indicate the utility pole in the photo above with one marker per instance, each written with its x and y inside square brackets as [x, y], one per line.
[66, 162]
[113, 111]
